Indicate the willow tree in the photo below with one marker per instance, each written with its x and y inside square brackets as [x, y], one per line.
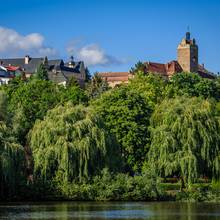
[11, 154]
[71, 144]
[185, 139]
[3, 106]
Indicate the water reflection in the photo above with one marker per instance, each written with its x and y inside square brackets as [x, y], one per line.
[102, 211]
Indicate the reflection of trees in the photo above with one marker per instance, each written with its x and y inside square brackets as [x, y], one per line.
[172, 211]
[183, 211]
[103, 211]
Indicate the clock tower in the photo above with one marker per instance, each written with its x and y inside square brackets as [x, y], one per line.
[188, 54]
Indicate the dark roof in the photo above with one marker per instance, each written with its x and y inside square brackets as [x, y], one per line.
[55, 62]
[77, 67]
[58, 71]
[13, 61]
[203, 72]
[3, 73]
[6, 74]
[61, 73]
[31, 67]
[35, 62]
[57, 77]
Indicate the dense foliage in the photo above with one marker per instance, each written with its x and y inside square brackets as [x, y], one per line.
[185, 139]
[96, 86]
[66, 145]
[126, 114]
[41, 72]
[120, 187]
[138, 141]
[151, 87]
[30, 100]
[11, 154]
[191, 84]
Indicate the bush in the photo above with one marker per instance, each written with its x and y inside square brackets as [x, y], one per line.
[199, 195]
[114, 187]
[215, 185]
[170, 186]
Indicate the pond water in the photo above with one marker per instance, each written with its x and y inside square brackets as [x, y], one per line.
[101, 211]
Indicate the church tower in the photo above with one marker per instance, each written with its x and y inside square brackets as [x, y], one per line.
[188, 54]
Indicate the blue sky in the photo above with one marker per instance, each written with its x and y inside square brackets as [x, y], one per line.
[110, 35]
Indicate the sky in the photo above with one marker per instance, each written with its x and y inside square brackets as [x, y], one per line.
[109, 35]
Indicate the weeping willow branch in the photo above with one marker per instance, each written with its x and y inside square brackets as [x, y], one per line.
[185, 138]
[11, 159]
[71, 143]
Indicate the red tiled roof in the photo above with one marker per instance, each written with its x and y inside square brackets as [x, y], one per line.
[167, 69]
[12, 68]
[156, 67]
[173, 67]
[111, 79]
[114, 74]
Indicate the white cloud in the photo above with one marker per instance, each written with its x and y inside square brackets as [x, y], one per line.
[91, 54]
[13, 44]
[47, 51]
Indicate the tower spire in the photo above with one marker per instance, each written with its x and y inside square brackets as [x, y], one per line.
[188, 28]
[188, 34]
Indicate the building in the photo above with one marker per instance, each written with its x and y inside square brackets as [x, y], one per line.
[58, 71]
[116, 78]
[8, 73]
[187, 61]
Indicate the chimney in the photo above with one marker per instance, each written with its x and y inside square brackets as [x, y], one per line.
[26, 59]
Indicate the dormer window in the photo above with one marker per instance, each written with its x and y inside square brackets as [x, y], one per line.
[54, 71]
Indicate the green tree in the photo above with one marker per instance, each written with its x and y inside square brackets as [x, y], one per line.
[139, 67]
[29, 101]
[74, 94]
[11, 155]
[97, 86]
[191, 84]
[72, 82]
[3, 106]
[151, 86]
[185, 139]
[41, 72]
[11, 162]
[126, 114]
[71, 144]
[207, 88]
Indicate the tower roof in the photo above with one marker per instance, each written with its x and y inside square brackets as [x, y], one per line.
[187, 41]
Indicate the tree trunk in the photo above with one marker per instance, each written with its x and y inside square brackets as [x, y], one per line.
[183, 186]
[29, 163]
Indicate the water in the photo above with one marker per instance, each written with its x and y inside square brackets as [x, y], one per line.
[102, 211]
